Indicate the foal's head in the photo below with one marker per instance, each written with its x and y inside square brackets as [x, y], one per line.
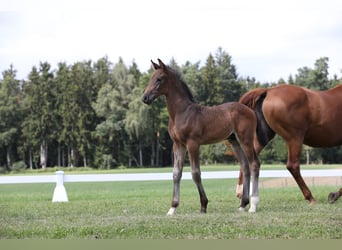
[158, 84]
[163, 80]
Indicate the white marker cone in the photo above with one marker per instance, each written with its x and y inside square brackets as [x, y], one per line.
[60, 195]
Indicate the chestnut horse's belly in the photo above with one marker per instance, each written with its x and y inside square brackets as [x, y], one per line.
[323, 137]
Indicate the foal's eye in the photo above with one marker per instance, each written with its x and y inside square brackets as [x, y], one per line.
[158, 80]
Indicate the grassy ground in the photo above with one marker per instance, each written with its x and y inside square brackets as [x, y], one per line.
[137, 210]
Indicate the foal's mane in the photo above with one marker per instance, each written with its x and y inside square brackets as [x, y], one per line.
[182, 84]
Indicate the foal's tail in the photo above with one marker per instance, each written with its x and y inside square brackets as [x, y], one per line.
[254, 100]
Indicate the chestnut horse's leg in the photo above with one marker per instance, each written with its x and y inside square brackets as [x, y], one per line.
[333, 196]
[239, 186]
[255, 169]
[293, 165]
[179, 153]
[193, 149]
[255, 185]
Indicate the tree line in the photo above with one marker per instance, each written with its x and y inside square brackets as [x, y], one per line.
[90, 113]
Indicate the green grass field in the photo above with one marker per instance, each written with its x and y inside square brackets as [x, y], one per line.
[137, 210]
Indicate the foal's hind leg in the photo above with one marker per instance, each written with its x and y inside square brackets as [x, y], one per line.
[240, 155]
[193, 149]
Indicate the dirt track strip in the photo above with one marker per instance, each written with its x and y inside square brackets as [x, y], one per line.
[310, 181]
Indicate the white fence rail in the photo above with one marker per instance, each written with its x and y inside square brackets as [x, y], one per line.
[158, 176]
[60, 178]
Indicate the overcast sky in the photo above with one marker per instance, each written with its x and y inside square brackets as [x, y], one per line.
[267, 39]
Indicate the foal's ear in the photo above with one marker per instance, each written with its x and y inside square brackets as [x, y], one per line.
[161, 64]
[155, 66]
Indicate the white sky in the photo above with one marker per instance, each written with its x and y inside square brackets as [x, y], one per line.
[267, 39]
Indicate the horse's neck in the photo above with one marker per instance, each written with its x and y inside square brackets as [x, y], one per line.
[176, 104]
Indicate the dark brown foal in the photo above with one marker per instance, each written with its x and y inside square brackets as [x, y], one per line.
[192, 125]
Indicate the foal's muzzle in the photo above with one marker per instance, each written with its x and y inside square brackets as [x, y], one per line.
[147, 99]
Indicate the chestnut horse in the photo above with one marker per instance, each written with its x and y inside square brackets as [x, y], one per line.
[300, 116]
[192, 125]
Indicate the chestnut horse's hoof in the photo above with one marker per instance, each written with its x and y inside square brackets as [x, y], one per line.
[332, 197]
[312, 201]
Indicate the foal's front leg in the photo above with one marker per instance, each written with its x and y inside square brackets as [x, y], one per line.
[179, 153]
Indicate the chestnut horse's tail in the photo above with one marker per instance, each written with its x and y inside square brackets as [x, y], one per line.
[254, 100]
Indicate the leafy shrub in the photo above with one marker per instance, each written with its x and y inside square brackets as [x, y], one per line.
[107, 162]
[18, 166]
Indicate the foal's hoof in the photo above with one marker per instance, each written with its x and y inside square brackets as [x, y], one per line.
[332, 197]
[171, 211]
[203, 211]
[241, 209]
